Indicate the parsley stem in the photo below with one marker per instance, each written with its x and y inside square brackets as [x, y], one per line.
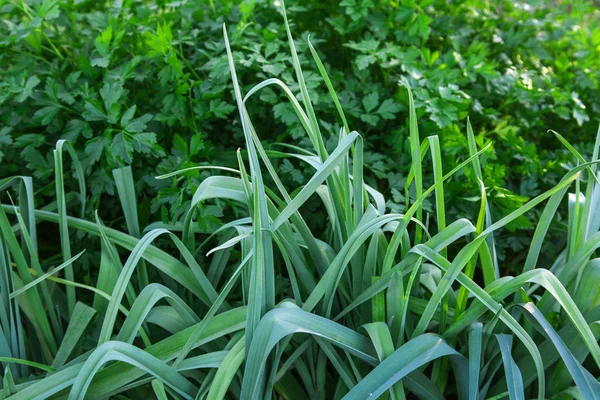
[187, 64]
[52, 44]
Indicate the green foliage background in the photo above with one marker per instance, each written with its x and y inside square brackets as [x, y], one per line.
[145, 83]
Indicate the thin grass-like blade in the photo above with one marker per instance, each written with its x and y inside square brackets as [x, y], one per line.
[261, 294]
[587, 384]
[126, 190]
[80, 319]
[514, 380]
[152, 294]
[65, 242]
[382, 340]
[119, 375]
[409, 357]
[32, 297]
[119, 351]
[285, 321]
[227, 370]
[475, 347]
[160, 259]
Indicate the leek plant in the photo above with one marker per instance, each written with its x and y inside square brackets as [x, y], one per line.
[377, 305]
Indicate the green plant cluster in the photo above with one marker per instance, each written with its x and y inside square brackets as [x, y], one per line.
[144, 83]
[282, 271]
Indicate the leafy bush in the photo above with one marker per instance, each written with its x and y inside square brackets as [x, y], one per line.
[144, 84]
[370, 305]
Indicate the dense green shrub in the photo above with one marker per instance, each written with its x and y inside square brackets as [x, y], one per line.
[143, 83]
